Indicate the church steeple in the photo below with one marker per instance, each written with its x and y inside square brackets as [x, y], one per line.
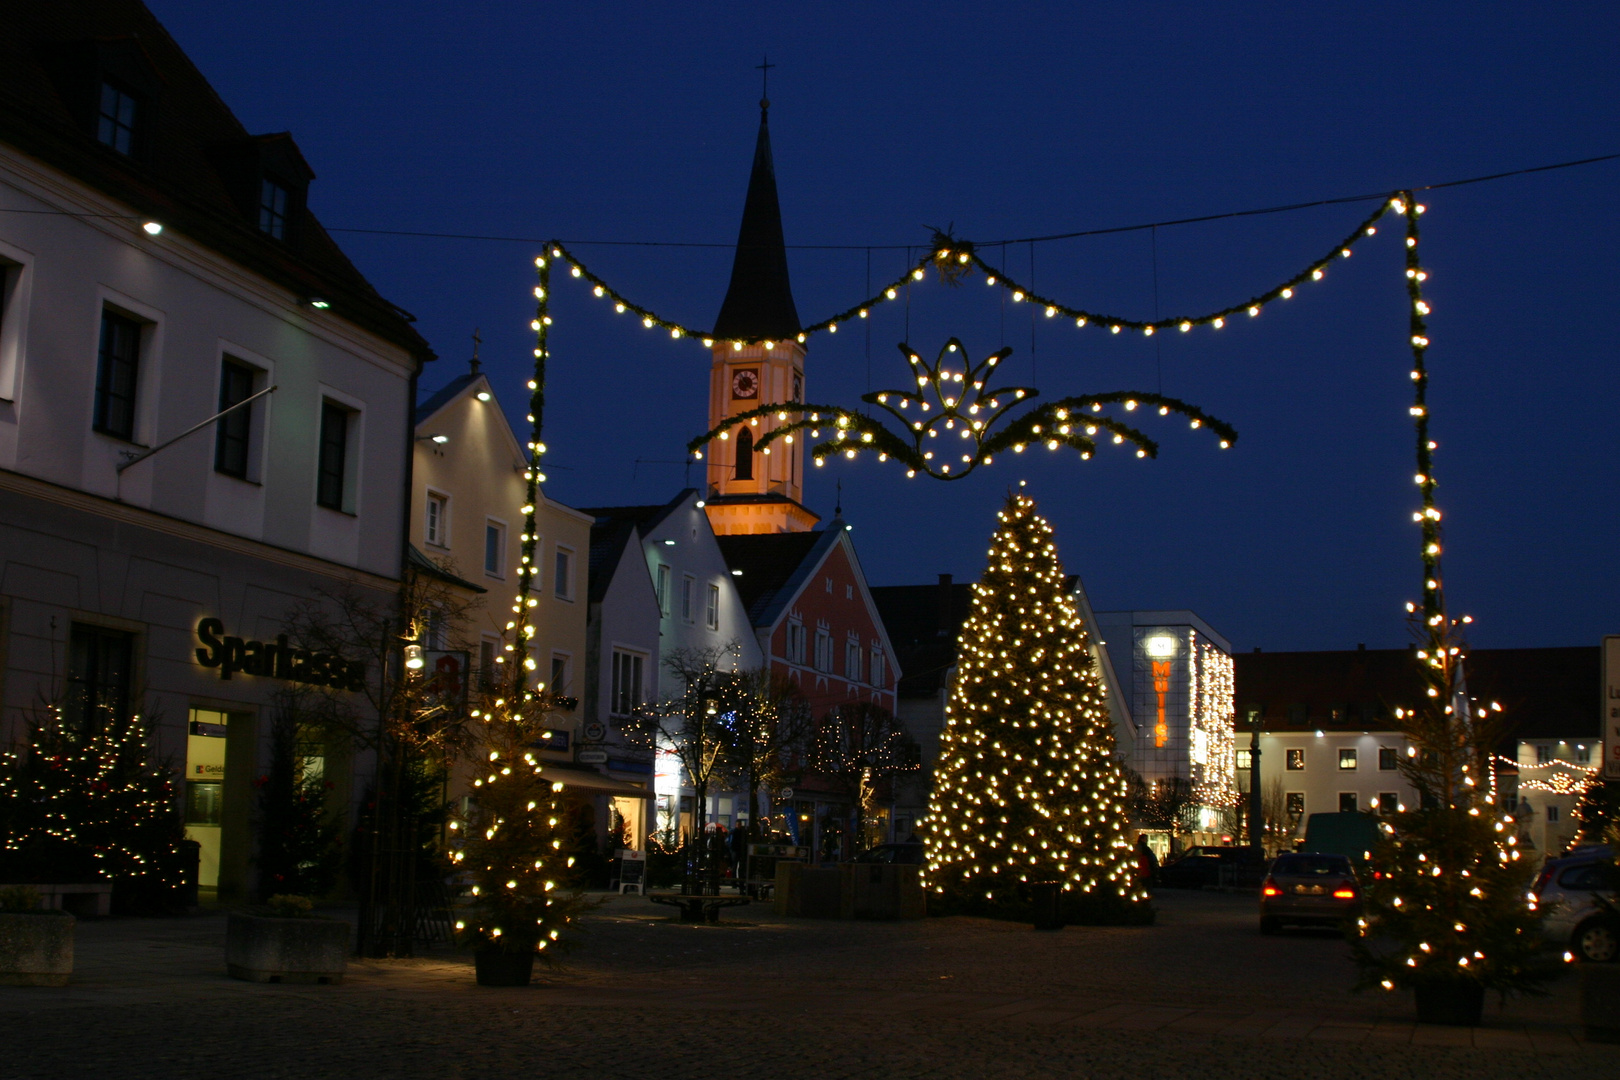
[759, 301]
[757, 490]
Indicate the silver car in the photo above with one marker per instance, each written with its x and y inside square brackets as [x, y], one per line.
[1567, 895]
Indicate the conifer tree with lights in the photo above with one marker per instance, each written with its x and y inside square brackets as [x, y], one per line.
[1028, 788]
[1447, 912]
[510, 846]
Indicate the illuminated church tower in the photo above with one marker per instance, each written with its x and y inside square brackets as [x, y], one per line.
[750, 490]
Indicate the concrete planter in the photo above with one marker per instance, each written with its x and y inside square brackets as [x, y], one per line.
[1455, 1002]
[262, 948]
[497, 967]
[1600, 1002]
[36, 948]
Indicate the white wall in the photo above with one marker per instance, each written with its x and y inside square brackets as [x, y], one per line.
[1322, 780]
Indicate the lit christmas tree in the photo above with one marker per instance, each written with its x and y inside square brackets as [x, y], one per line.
[1027, 788]
[510, 845]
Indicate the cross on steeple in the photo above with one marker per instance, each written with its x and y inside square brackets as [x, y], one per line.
[764, 82]
[476, 342]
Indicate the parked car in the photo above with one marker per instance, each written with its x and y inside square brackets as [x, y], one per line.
[1566, 891]
[1308, 890]
[1198, 867]
[906, 853]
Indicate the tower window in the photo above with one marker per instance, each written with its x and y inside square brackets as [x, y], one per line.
[115, 127]
[273, 209]
[745, 455]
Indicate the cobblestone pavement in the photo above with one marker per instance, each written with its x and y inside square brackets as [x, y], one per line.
[773, 997]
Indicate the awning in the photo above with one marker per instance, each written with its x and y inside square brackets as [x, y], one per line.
[584, 778]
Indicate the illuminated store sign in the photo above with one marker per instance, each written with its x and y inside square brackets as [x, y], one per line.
[276, 659]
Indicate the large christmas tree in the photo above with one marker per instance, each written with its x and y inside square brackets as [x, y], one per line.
[1027, 788]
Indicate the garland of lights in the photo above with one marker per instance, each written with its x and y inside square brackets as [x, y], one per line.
[962, 398]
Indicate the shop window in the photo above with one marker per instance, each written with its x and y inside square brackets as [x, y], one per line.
[233, 432]
[627, 675]
[118, 115]
[1347, 802]
[1295, 805]
[1294, 759]
[100, 676]
[436, 529]
[711, 615]
[1347, 758]
[205, 789]
[117, 372]
[333, 467]
[1388, 758]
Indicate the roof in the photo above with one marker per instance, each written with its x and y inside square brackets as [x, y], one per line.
[774, 566]
[418, 561]
[610, 538]
[1544, 693]
[759, 300]
[444, 395]
[645, 518]
[51, 57]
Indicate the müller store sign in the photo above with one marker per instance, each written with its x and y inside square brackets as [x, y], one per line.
[275, 660]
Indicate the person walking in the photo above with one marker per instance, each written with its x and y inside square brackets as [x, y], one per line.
[1147, 863]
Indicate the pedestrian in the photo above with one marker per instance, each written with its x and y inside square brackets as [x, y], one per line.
[1147, 863]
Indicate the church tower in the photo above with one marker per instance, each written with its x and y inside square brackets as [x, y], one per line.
[757, 491]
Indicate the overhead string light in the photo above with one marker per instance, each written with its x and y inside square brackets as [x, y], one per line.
[954, 259]
[948, 421]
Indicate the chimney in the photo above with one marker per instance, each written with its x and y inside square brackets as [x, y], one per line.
[943, 619]
[1361, 646]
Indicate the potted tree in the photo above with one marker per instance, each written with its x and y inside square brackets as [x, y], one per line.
[1600, 983]
[508, 847]
[36, 944]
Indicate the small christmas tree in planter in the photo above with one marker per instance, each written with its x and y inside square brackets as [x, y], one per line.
[1028, 792]
[509, 846]
[300, 841]
[285, 941]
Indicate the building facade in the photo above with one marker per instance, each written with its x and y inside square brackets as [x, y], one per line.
[159, 268]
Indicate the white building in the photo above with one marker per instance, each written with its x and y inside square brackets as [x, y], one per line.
[159, 265]
[1547, 788]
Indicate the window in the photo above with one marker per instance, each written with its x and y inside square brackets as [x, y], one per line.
[879, 676]
[829, 585]
[494, 549]
[233, 432]
[117, 367]
[711, 614]
[1347, 802]
[661, 586]
[1552, 813]
[1389, 802]
[1294, 803]
[437, 531]
[273, 209]
[1583, 755]
[795, 642]
[745, 455]
[852, 660]
[559, 673]
[115, 126]
[1295, 759]
[1544, 754]
[1245, 761]
[100, 664]
[1347, 758]
[1388, 758]
[332, 469]
[824, 651]
[688, 587]
[626, 683]
[487, 649]
[562, 582]
[849, 592]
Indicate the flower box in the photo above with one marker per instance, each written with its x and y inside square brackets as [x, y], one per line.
[36, 948]
[265, 948]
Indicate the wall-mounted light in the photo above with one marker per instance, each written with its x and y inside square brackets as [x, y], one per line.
[440, 439]
[319, 302]
[701, 504]
[152, 228]
[736, 573]
[1160, 645]
[483, 395]
[413, 657]
[669, 543]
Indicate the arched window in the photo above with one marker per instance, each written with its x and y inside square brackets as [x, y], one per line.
[745, 455]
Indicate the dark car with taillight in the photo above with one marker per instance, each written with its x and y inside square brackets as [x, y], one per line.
[1308, 890]
[1200, 867]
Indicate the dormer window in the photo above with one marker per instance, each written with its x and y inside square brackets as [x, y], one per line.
[115, 126]
[273, 209]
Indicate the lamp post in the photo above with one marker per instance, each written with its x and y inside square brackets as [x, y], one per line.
[1256, 804]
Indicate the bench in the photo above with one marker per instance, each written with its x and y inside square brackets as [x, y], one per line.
[87, 900]
[698, 908]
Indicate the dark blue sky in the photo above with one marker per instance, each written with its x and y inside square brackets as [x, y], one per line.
[637, 121]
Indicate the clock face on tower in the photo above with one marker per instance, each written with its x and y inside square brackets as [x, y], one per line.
[745, 383]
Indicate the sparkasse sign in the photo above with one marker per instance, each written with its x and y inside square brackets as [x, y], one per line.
[276, 659]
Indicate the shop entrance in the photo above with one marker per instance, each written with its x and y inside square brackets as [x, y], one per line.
[205, 790]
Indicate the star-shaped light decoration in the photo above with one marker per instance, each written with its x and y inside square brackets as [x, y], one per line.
[948, 424]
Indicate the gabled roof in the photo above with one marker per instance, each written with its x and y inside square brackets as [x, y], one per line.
[759, 300]
[445, 395]
[49, 54]
[421, 563]
[775, 566]
[610, 539]
[645, 518]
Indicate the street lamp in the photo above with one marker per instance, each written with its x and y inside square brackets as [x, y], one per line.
[413, 657]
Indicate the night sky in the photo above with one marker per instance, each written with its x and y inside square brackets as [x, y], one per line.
[636, 122]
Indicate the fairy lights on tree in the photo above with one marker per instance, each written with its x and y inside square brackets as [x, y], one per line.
[1028, 788]
[1446, 911]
